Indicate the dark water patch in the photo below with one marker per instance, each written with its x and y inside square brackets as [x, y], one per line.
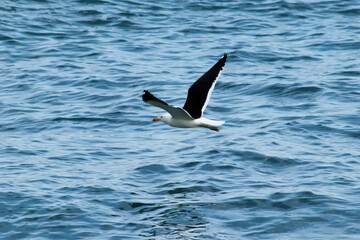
[295, 200]
[197, 30]
[252, 26]
[41, 1]
[95, 190]
[248, 223]
[63, 213]
[19, 86]
[137, 207]
[124, 24]
[190, 164]
[298, 107]
[4, 37]
[354, 134]
[154, 169]
[45, 97]
[339, 211]
[181, 188]
[16, 111]
[83, 119]
[91, 54]
[93, 2]
[205, 6]
[193, 189]
[69, 159]
[290, 16]
[326, 129]
[102, 98]
[217, 167]
[270, 57]
[353, 230]
[347, 73]
[59, 222]
[350, 12]
[286, 225]
[95, 82]
[98, 21]
[44, 33]
[300, 6]
[337, 45]
[89, 12]
[271, 160]
[239, 203]
[214, 153]
[5, 128]
[12, 42]
[280, 201]
[284, 90]
[17, 151]
[74, 48]
[234, 86]
[185, 149]
[68, 66]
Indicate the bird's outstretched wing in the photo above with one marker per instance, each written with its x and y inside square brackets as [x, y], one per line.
[175, 112]
[199, 93]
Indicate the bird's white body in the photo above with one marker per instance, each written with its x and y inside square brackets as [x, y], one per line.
[182, 123]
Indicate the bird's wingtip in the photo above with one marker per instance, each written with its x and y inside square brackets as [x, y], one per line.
[146, 96]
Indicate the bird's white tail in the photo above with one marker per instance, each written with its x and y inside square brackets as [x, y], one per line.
[211, 122]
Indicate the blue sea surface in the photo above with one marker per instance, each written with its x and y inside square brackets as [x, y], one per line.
[80, 157]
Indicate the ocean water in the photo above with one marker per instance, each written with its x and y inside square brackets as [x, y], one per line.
[80, 157]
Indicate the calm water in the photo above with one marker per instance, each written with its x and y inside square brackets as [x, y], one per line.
[81, 158]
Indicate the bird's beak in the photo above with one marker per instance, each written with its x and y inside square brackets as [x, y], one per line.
[156, 119]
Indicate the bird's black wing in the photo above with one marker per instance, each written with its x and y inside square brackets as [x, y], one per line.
[199, 93]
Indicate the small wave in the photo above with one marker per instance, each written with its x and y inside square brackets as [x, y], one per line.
[327, 129]
[154, 169]
[285, 90]
[271, 160]
[284, 226]
[93, 1]
[270, 56]
[138, 207]
[350, 12]
[83, 119]
[278, 200]
[16, 151]
[97, 21]
[347, 73]
[90, 12]
[217, 167]
[4, 37]
[337, 45]
[184, 149]
[190, 164]
[18, 86]
[196, 188]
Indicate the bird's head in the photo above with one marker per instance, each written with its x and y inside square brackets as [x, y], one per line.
[164, 118]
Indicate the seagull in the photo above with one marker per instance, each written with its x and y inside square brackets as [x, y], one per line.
[190, 115]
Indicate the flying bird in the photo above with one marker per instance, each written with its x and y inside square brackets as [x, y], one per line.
[191, 114]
